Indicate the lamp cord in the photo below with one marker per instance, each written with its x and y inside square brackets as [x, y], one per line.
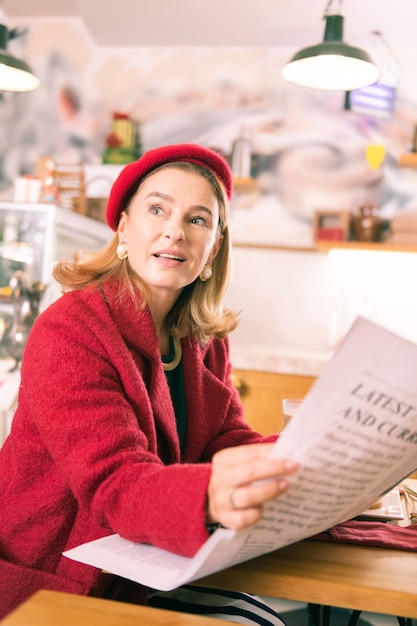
[327, 9]
[378, 33]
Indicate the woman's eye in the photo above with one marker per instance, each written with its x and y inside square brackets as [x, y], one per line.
[155, 209]
[198, 220]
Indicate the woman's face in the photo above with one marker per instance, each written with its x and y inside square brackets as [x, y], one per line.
[171, 229]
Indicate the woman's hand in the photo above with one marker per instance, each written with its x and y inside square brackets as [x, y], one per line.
[242, 480]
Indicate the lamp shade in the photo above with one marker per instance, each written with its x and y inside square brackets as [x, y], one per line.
[331, 65]
[15, 74]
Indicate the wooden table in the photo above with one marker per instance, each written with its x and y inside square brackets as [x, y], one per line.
[379, 580]
[371, 579]
[52, 608]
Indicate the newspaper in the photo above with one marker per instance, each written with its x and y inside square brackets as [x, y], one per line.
[354, 437]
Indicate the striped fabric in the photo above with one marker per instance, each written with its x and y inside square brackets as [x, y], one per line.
[240, 608]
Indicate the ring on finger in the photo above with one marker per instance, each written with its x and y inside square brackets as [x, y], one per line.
[232, 500]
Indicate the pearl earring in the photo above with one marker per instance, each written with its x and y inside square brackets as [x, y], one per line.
[121, 251]
[206, 273]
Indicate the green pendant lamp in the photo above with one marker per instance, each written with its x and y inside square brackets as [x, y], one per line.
[15, 74]
[331, 65]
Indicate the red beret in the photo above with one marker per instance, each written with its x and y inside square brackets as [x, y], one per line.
[132, 174]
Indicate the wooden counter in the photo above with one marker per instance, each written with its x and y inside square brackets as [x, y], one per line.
[262, 394]
[52, 608]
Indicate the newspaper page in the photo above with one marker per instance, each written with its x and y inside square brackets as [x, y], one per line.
[354, 437]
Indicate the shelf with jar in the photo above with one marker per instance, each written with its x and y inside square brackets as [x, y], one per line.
[365, 230]
[326, 246]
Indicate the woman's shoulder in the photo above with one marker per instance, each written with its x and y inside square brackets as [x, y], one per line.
[72, 299]
[91, 309]
[78, 304]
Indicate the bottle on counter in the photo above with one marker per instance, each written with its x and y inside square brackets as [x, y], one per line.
[367, 225]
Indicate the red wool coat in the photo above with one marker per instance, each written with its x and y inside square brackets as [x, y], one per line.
[94, 449]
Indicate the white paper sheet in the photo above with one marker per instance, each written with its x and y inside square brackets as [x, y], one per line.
[354, 436]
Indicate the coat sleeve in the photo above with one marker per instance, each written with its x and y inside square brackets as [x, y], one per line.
[82, 429]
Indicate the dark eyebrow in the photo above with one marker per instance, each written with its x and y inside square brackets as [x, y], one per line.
[165, 196]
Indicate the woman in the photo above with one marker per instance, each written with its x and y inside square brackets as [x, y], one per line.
[128, 421]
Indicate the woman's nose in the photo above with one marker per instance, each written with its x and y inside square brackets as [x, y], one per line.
[174, 229]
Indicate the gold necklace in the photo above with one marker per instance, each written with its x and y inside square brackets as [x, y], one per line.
[177, 356]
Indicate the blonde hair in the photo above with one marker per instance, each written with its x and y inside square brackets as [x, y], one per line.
[199, 310]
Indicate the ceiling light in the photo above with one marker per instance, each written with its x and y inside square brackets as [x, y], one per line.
[331, 65]
[15, 74]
